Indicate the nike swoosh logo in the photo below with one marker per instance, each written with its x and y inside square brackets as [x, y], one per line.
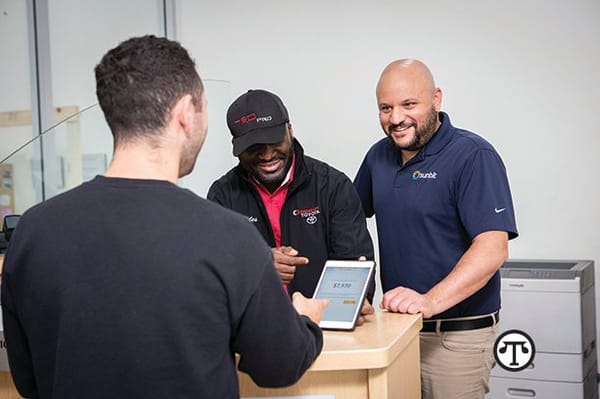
[499, 210]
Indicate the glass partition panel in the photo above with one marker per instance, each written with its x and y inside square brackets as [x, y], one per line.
[15, 102]
[22, 171]
[74, 162]
[80, 33]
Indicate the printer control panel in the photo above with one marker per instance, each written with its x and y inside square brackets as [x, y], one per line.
[536, 274]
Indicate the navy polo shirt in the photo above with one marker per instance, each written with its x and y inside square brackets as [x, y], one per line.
[429, 210]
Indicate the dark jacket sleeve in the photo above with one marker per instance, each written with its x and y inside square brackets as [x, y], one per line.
[275, 344]
[215, 194]
[349, 237]
[17, 348]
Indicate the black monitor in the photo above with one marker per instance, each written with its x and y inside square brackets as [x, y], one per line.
[8, 226]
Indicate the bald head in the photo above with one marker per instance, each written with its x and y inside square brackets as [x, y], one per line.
[408, 69]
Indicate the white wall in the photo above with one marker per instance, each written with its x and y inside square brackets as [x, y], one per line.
[524, 74]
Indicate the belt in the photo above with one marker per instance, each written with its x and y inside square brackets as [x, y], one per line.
[460, 325]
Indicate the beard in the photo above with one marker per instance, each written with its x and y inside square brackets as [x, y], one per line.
[190, 155]
[423, 132]
[272, 179]
[187, 164]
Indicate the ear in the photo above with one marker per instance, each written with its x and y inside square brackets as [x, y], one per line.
[290, 130]
[437, 99]
[183, 114]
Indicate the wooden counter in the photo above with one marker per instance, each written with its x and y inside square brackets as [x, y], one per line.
[379, 360]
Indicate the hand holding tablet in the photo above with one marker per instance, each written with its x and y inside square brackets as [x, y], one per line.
[344, 283]
[312, 308]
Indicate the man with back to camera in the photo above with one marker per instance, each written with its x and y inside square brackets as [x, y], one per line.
[306, 210]
[444, 217]
[129, 286]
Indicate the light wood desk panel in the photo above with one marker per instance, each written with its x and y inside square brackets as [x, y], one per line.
[379, 360]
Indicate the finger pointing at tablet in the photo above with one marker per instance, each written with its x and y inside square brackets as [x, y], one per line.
[286, 259]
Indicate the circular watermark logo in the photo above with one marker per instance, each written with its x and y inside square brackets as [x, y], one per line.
[514, 350]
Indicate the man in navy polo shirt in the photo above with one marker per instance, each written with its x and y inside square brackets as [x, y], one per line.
[444, 217]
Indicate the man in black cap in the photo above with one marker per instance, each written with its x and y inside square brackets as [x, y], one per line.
[129, 286]
[306, 210]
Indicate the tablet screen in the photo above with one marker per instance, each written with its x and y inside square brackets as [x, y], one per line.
[344, 283]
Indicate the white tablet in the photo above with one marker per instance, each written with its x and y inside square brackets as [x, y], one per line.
[344, 283]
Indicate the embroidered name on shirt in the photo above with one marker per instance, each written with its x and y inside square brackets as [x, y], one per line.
[417, 174]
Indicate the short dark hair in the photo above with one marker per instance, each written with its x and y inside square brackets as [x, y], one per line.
[139, 81]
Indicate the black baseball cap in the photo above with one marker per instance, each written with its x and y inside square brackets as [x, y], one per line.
[256, 117]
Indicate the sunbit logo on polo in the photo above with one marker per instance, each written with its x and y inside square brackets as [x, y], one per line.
[417, 174]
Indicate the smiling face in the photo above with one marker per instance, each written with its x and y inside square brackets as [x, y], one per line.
[408, 103]
[269, 163]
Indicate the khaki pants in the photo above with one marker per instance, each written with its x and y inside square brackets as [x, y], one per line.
[457, 364]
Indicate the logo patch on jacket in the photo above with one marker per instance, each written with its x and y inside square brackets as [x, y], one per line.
[309, 214]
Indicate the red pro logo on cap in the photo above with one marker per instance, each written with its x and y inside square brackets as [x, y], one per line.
[246, 119]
